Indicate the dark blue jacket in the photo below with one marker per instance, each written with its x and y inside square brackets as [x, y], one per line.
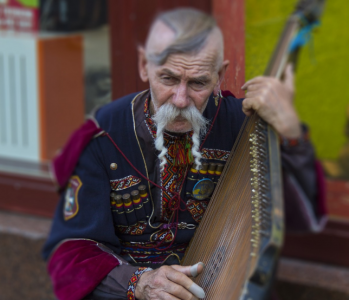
[123, 119]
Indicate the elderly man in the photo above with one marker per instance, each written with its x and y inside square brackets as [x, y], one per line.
[128, 209]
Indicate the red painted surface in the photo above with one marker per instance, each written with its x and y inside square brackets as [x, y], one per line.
[15, 16]
[330, 246]
[338, 198]
[230, 16]
[26, 194]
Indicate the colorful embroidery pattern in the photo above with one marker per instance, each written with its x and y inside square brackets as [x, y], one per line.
[124, 183]
[151, 255]
[197, 209]
[163, 235]
[171, 179]
[173, 173]
[215, 154]
[131, 290]
[136, 229]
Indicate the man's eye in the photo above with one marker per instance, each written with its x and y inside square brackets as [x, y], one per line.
[198, 83]
[168, 79]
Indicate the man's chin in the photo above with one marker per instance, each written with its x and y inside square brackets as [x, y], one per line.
[179, 127]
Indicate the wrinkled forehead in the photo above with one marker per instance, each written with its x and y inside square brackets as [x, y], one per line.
[202, 64]
[161, 37]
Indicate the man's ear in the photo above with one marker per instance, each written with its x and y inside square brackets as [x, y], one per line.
[142, 64]
[221, 74]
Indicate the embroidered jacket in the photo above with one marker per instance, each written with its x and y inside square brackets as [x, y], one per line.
[135, 233]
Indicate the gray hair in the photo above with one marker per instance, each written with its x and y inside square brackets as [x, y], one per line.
[191, 27]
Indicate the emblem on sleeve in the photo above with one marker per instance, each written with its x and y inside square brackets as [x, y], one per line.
[71, 205]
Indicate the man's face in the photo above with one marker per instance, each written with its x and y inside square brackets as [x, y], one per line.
[183, 80]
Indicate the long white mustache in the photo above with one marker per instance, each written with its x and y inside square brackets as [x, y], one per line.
[167, 114]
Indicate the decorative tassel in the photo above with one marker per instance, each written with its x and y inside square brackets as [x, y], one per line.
[182, 154]
[188, 146]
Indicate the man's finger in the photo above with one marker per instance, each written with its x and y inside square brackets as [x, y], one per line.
[192, 271]
[255, 87]
[289, 77]
[251, 103]
[248, 113]
[197, 291]
[254, 94]
[183, 280]
[167, 296]
[196, 269]
[179, 291]
[254, 80]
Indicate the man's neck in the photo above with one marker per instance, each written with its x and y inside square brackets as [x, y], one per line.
[151, 107]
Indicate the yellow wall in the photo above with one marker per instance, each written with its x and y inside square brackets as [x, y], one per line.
[31, 3]
[322, 80]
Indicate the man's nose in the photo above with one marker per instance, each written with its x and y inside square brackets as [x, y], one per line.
[181, 98]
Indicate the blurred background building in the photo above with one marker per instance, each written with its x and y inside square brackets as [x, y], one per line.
[59, 59]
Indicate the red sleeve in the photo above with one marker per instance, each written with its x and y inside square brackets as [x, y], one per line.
[77, 266]
[64, 162]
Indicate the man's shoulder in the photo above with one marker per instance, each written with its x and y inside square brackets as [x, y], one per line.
[231, 107]
[117, 106]
[231, 114]
[115, 112]
[231, 101]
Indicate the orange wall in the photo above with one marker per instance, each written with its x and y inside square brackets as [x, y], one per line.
[61, 91]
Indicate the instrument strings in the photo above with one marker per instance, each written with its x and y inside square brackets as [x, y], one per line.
[223, 239]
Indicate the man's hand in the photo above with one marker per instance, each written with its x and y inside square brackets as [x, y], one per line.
[170, 283]
[272, 99]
